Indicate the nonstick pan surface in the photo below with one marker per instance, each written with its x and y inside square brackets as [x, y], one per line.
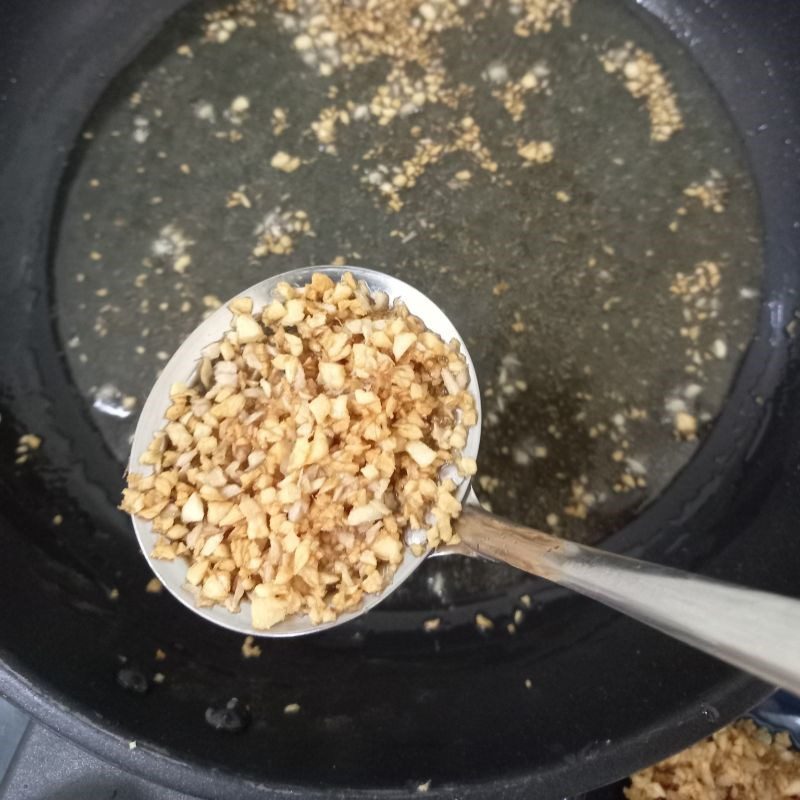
[384, 706]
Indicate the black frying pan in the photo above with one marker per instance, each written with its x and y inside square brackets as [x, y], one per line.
[385, 707]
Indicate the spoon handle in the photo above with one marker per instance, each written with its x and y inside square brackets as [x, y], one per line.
[755, 631]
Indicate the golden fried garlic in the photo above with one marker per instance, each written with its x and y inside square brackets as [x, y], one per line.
[312, 438]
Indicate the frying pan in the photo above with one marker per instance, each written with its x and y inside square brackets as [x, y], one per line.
[384, 708]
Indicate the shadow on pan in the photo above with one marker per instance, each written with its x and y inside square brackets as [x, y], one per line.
[384, 707]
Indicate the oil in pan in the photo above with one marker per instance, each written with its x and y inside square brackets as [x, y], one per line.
[558, 176]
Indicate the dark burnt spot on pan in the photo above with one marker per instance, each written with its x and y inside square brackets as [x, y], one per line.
[231, 716]
[133, 679]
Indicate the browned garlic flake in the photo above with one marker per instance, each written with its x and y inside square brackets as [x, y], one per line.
[250, 649]
[466, 138]
[535, 152]
[699, 293]
[278, 232]
[483, 623]
[645, 79]
[313, 437]
[29, 441]
[284, 162]
[538, 16]
[512, 93]
[712, 192]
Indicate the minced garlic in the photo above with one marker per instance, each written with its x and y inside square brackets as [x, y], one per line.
[311, 440]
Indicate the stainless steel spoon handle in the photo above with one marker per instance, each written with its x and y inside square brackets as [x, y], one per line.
[756, 631]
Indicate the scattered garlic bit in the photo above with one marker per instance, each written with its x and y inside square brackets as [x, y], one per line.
[431, 625]
[644, 79]
[706, 276]
[512, 93]
[483, 623]
[278, 231]
[699, 294]
[538, 16]
[488, 483]
[500, 288]
[172, 245]
[581, 500]
[528, 683]
[153, 586]
[535, 152]
[332, 35]
[464, 137]
[403, 94]
[27, 442]
[284, 162]
[312, 439]
[222, 23]
[249, 649]
[324, 127]
[686, 425]
[292, 708]
[237, 198]
[279, 120]
[712, 192]
[240, 104]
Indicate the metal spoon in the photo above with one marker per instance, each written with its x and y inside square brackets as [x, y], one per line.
[756, 631]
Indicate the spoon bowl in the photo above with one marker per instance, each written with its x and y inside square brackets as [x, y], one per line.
[182, 368]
